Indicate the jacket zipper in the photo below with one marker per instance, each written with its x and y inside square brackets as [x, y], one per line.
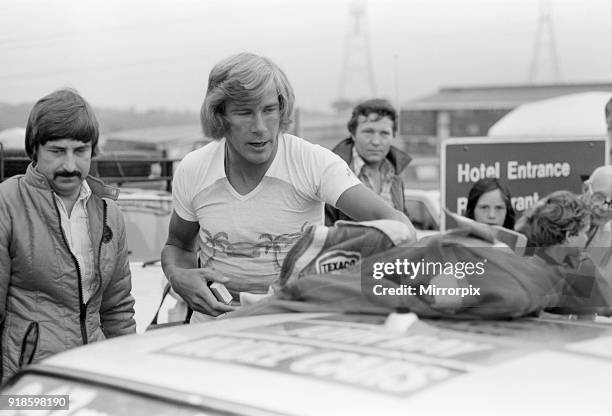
[104, 226]
[82, 306]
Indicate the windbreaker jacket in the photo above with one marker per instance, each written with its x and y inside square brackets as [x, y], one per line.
[41, 303]
[399, 160]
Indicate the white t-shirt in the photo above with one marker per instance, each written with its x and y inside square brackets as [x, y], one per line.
[246, 237]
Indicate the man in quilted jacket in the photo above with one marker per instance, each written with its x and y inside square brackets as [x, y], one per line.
[64, 272]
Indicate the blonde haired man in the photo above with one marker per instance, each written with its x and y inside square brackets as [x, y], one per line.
[243, 200]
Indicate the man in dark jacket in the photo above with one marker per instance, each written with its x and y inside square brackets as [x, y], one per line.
[369, 153]
[64, 271]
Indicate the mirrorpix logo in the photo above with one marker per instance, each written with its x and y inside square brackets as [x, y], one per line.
[336, 261]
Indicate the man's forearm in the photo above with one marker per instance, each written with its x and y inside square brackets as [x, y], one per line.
[173, 257]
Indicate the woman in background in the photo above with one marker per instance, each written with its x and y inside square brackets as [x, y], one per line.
[489, 202]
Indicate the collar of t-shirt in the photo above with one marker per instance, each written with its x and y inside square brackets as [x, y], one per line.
[76, 230]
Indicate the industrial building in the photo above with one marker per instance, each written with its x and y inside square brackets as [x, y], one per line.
[471, 111]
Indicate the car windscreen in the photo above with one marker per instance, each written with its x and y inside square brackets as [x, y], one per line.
[81, 397]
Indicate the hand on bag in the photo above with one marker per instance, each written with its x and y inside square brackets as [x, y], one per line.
[191, 285]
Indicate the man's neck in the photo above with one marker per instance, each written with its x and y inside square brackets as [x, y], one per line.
[372, 166]
[243, 175]
[372, 170]
[69, 202]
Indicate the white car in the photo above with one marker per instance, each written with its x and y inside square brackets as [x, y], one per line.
[147, 215]
[322, 364]
[423, 172]
[423, 207]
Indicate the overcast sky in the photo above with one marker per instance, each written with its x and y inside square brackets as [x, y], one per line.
[157, 53]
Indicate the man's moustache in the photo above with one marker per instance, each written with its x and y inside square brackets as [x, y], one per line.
[67, 174]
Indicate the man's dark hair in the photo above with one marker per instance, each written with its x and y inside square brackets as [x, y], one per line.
[378, 106]
[63, 114]
[553, 219]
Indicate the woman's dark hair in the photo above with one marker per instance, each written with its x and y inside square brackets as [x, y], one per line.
[487, 185]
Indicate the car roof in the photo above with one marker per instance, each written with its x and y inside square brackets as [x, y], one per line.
[432, 194]
[144, 194]
[352, 364]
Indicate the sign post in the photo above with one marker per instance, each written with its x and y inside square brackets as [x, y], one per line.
[531, 169]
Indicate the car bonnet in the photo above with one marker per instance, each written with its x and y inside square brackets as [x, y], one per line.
[346, 364]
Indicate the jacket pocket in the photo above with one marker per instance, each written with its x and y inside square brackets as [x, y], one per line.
[29, 344]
